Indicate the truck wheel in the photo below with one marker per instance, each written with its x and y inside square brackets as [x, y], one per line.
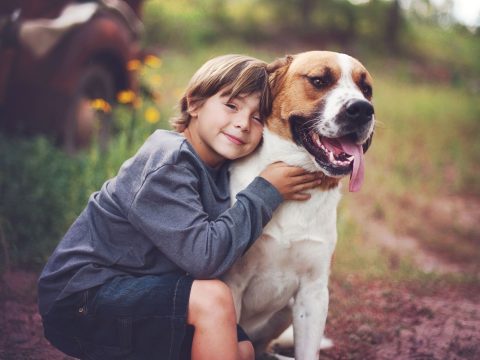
[84, 122]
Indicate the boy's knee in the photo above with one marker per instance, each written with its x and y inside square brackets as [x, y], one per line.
[211, 298]
[246, 350]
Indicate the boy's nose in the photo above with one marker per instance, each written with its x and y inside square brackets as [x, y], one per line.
[243, 123]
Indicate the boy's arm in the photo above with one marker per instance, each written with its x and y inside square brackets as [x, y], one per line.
[169, 211]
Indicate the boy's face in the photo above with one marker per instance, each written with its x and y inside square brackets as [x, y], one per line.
[223, 128]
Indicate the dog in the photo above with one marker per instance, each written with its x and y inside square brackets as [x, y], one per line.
[323, 120]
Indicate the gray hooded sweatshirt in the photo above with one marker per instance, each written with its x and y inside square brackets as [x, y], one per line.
[165, 211]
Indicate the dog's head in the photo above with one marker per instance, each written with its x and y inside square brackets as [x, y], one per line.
[322, 102]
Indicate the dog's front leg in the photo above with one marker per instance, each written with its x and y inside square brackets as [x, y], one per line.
[309, 317]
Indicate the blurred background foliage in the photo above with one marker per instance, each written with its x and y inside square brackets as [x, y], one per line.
[426, 69]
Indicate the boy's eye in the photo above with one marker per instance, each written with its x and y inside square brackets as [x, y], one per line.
[258, 119]
[231, 106]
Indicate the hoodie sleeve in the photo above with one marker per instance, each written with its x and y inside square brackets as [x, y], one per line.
[169, 211]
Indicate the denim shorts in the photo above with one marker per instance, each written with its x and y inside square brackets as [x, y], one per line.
[126, 318]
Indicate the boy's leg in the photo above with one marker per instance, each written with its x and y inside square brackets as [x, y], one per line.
[128, 317]
[212, 311]
[245, 350]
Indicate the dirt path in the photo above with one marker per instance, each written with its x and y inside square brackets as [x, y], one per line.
[384, 321]
[404, 245]
[437, 319]
[366, 321]
[429, 320]
[452, 220]
[21, 333]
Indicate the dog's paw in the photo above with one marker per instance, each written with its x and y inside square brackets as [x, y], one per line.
[326, 343]
[285, 340]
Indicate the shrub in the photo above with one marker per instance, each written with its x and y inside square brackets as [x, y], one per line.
[37, 202]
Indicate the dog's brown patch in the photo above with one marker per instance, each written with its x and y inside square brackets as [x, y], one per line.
[328, 183]
[293, 90]
[362, 78]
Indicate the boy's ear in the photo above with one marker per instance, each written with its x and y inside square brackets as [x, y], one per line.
[189, 106]
[277, 70]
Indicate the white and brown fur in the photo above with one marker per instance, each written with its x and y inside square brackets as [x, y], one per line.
[283, 278]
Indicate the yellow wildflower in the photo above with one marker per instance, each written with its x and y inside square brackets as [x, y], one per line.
[126, 97]
[100, 105]
[153, 61]
[134, 65]
[152, 115]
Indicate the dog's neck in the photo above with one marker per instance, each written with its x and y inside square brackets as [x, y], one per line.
[276, 148]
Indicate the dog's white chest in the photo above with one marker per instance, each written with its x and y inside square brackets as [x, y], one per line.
[314, 219]
[295, 246]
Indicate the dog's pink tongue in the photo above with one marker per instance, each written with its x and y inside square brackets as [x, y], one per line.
[356, 178]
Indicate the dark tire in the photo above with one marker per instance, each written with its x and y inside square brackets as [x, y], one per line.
[83, 123]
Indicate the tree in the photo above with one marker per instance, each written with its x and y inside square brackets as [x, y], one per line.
[393, 26]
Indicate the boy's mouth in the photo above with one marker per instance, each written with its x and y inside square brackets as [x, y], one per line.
[234, 139]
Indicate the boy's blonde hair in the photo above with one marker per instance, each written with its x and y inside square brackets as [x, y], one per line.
[235, 74]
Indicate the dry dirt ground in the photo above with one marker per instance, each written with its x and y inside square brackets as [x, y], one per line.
[423, 320]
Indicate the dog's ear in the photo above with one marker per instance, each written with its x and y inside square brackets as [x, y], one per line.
[277, 70]
[279, 63]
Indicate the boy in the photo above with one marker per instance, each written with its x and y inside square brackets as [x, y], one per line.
[138, 269]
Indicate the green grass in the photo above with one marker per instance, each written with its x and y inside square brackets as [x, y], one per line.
[427, 138]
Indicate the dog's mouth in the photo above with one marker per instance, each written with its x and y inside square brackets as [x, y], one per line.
[336, 156]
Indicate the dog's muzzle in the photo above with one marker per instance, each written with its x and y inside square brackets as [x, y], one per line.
[359, 112]
[355, 120]
[342, 154]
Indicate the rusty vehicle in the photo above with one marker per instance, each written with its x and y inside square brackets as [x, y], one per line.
[56, 57]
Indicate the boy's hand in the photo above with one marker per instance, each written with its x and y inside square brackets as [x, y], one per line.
[291, 181]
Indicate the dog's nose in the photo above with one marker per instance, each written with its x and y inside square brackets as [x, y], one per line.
[360, 111]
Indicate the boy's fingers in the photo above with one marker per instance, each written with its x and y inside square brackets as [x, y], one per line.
[296, 171]
[300, 196]
[315, 183]
[309, 179]
[302, 186]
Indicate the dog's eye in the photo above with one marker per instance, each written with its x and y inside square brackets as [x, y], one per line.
[320, 81]
[367, 90]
